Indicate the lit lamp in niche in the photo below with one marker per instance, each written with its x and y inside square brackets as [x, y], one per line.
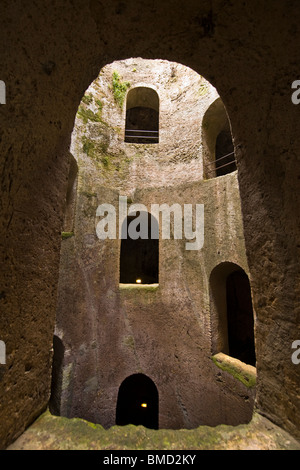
[144, 405]
[139, 281]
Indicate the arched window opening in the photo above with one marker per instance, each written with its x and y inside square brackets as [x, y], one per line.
[137, 402]
[139, 258]
[142, 116]
[217, 144]
[232, 317]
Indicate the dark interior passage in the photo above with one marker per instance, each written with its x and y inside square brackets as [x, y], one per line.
[225, 160]
[139, 257]
[240, 318]
[138, 402]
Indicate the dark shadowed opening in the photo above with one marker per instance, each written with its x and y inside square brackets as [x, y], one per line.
[240, 318]
[56, 384]
[217, 142]
[138, 402]
[142, 116]
[232, 315]
[139, 258]
[225, 160]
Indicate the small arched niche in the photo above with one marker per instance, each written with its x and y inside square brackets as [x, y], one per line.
[232, 318]
[142, 116]
[137, 402]
[139, 254]
[217, 144]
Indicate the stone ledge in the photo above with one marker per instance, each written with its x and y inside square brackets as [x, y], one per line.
[134, 287]
[238, 369]
[57, 433]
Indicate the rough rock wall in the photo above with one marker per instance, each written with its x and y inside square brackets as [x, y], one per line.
[98, 138]
[50, 54]
[164, 332]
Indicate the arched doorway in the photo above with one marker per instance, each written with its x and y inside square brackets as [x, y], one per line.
[137, 402]
[240, 317]
[232, 317]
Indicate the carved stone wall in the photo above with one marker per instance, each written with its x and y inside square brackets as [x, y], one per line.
[50, 54]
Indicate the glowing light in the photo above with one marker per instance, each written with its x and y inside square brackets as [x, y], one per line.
[144, 405]
[138, 281]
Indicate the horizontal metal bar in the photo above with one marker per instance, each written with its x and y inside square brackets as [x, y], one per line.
[221, 158]
[226, 164]
[140, 130]
[140, 137]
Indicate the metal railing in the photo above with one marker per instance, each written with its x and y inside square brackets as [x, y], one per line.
[137, 134]
[222, 158]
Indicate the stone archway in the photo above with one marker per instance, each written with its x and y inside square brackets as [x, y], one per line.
[138, 402]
